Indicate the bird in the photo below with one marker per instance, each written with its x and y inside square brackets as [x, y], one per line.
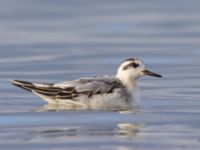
[108, 92]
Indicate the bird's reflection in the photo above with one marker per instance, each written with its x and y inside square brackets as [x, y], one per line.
[61, 107]
[122, 130]
[129, 130]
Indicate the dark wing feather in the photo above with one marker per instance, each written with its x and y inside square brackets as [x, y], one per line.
[42, 88]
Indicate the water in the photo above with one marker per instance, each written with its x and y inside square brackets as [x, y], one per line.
[53, 41]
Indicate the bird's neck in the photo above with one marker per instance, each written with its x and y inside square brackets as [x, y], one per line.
[132, 88]
[127, 81]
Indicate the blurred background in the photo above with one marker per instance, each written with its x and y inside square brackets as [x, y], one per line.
[57, 40]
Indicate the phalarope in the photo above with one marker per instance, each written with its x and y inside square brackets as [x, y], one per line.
[119, 92]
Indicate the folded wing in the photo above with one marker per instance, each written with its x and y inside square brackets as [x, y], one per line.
[72, 89]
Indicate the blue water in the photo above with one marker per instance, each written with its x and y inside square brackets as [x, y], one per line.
[54, 41]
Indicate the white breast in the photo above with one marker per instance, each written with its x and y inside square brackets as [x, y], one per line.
[116, 100]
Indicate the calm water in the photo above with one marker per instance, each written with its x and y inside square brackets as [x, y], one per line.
[66, 39]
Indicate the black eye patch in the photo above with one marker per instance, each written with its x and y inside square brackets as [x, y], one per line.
[133, 64]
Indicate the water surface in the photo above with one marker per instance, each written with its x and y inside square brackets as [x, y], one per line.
[53, 41]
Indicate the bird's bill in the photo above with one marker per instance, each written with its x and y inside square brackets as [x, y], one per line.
[149, 73]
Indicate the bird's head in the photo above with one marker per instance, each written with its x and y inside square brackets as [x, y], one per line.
[131, 69]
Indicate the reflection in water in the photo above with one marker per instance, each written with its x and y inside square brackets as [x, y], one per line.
[61, 107]
[124, 130]
[129, 130]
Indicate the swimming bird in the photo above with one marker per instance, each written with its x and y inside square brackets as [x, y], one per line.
[118, 92]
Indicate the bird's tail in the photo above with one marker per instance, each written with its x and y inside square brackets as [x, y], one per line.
[42, 88]
[23, 84]
[44, 91]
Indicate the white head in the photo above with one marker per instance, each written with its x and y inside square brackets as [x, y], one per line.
[131, 69]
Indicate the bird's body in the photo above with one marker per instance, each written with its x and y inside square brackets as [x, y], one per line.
[119, 92]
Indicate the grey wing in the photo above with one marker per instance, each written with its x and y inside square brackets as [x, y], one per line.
[90, 86]
[72, 89]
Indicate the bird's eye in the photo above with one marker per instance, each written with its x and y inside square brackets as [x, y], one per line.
[135, 65]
